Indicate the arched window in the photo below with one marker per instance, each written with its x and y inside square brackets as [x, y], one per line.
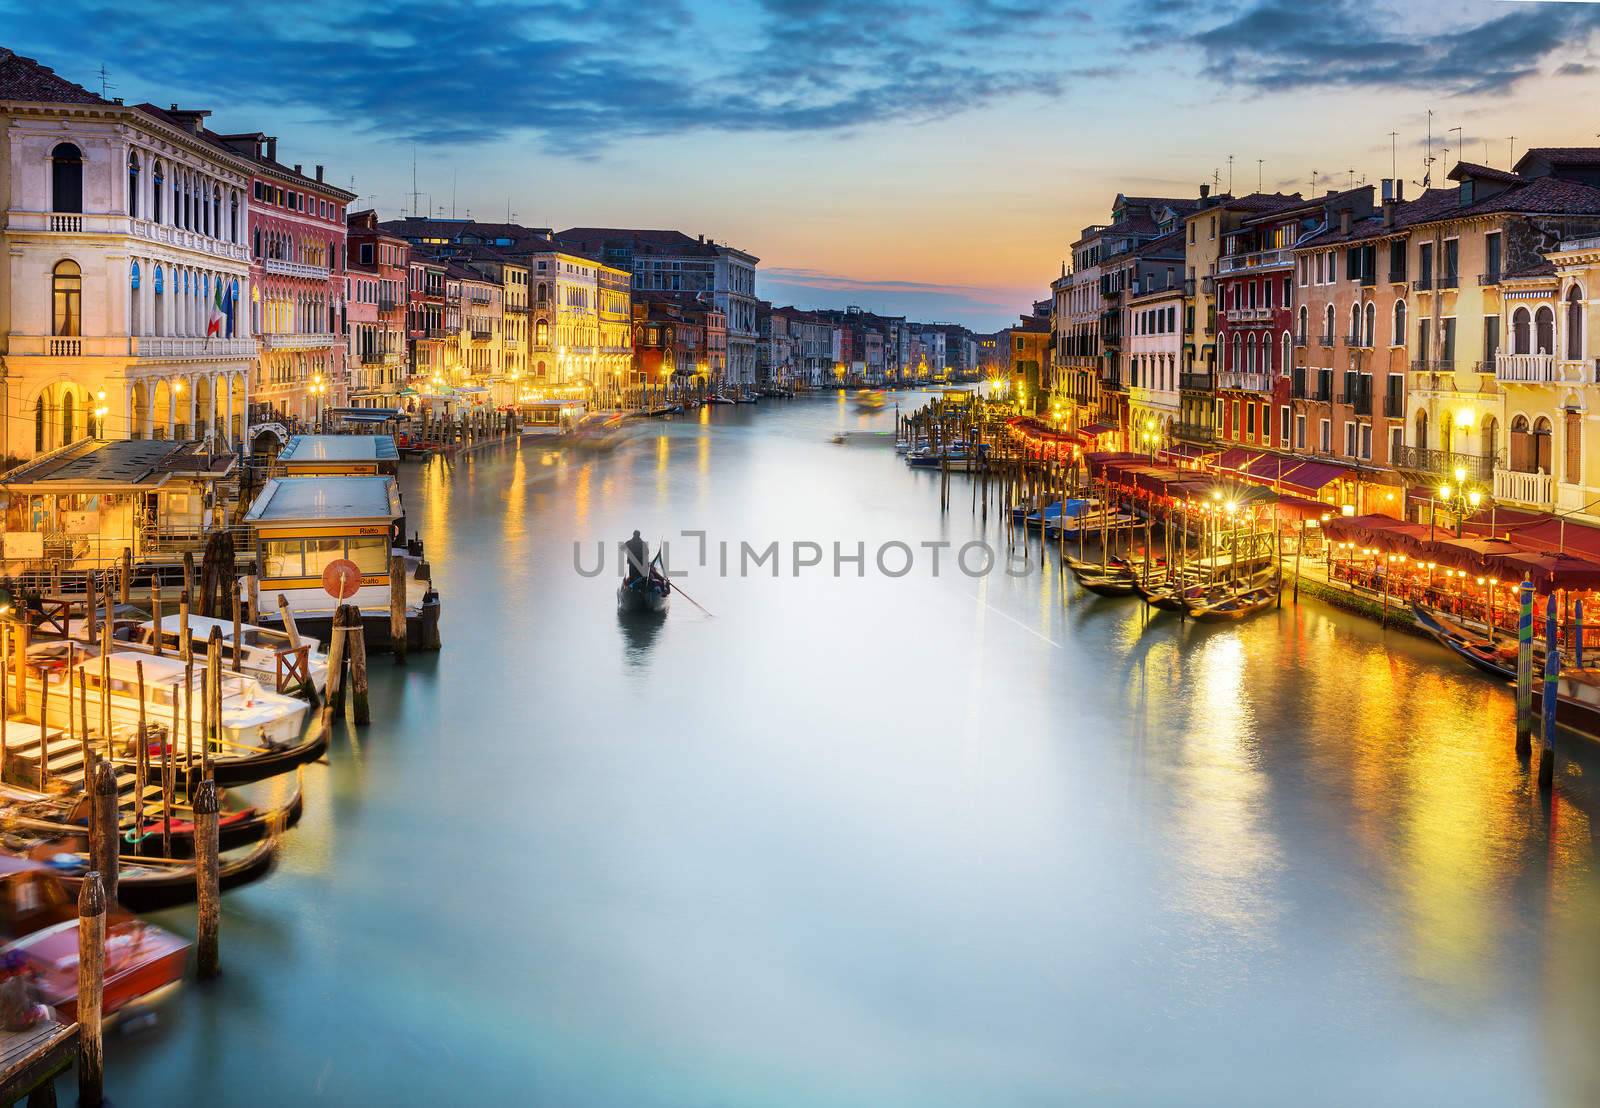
[233, 218]
[1521, 332]
[1544, 331]
[1398, 336]
[157, 182]
[542, 333]
[134, 315]
[66, 178]
[38, 425]
[1541, 445]
[133, 183]
[1521, 448]
[1288, 353]
[1305, 322]
[66, 286]
[1327, 331]
[216, 212]
[1355, 324]
[1491, 439]
[1421, 434]
[1238, 353]
[233, 309]
[1370, 333]
[1574, 323]
[158, 319]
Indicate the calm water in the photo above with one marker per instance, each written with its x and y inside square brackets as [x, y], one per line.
[867, 841]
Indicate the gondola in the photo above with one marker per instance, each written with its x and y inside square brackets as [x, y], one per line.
[249, 765]
[1236, 605]
[52, 815]
[1164, 596]
[146, 884]
[647, 595]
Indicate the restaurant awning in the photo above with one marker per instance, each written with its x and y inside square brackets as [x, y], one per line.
[1550, 571]
[1312, 476]
[1097, 429]
[1392, 536]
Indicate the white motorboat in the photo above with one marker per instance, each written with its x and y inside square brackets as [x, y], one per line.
[261, 646]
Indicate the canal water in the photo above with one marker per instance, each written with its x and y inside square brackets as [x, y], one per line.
[862, 839]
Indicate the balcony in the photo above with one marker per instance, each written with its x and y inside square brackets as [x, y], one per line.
[1358, 339]
[1208, 285]
[1433, 365]
[1360, 401]
[1326, 338]
[1188, 286]
[1260, 259]
[1490, 279]
[1444, 463]
[1195, 382]
[1244, 382]
[482, 334]
[158, 346]
[1194, 432]
[387, 303]
[1449, 280]
[188, 240]
[1536, 489]
[1394, 405]
[434, 333]
[285, 268]
[1248, 315]
[1301, 340]
[1526, 369]
[297, 341]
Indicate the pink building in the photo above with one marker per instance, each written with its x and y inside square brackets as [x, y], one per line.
[297, 247]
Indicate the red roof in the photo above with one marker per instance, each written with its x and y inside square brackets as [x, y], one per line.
[25, 80]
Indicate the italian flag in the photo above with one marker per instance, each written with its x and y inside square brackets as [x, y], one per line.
[215, 318]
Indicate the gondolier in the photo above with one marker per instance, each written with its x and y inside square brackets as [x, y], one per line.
[638, 557]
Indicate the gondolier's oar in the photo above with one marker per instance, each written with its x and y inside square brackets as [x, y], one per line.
[691, 600]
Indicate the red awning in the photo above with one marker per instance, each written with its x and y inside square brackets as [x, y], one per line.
[1187, 450]
[1312, 476]
[1294, 507]
[1472, 555]
[1549, 572]
[1553, 533]
[1237, 458]
[1392, 536]
[1097, 429]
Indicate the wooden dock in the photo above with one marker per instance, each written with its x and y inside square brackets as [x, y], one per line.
[31, 1060]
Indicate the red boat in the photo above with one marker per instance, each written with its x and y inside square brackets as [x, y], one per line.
[40, 920]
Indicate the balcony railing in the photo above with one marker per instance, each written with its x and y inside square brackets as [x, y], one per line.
[482, 334]
[1422, 283]
[1433, 365]
[1234, 263]
[286, 268]
[1490, 279]
[1449, 280]
[1444, 463]
[1195, 382]
[387, 303]
[1246, 382]
[1301, 339]
[1326, 339]
[1531, 369]
[1360, 400]
[1188, 286]
[1248, 315]
[1537, 489]
[1194, 432]
[65, 348]
[1357, 338]
[1208, 284]
[157, 346]
[297, 341]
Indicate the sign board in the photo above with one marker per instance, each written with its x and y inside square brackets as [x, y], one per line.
[341, 578]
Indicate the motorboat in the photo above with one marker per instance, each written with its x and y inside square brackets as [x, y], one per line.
[261, 653]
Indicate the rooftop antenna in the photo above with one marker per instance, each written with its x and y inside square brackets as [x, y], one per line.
[414, 193]
[106, 84]
[1216, 179]
[1230, 173]
[1352, 172]
[1313, 182]
[1513, 162]
[453, 196]
[1427, 175]
[1459, 142]
[1394, 155]
[1258, 173]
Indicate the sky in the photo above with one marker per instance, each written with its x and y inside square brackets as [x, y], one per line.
[912, 157]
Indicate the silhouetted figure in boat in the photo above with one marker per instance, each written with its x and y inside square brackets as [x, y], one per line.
[638, 557]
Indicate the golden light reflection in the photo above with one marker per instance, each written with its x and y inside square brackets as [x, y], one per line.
[436, 537]
[583, 492]
[516, 519]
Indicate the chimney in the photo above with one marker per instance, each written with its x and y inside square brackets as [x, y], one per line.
[1399, 190]
[1388, 212]
[702, 238]
[1344, 221]
[1388, 188]
[319, 173]
[297, 168]
[272, 148]
[1205, 191]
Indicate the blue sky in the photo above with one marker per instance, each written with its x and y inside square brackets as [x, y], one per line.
[927, 158]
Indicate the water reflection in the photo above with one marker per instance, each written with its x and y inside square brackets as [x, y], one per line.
[930, 841]
[639, 633]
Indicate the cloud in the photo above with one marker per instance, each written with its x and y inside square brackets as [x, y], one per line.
[1279, 44]
[1577, 69]
[577, 75]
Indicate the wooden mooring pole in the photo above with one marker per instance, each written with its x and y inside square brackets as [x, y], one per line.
[1525, 669]
[91, 990]
[208, 892]
[1552, 677]
[103, 825]
[397, 607]
[361, 708]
